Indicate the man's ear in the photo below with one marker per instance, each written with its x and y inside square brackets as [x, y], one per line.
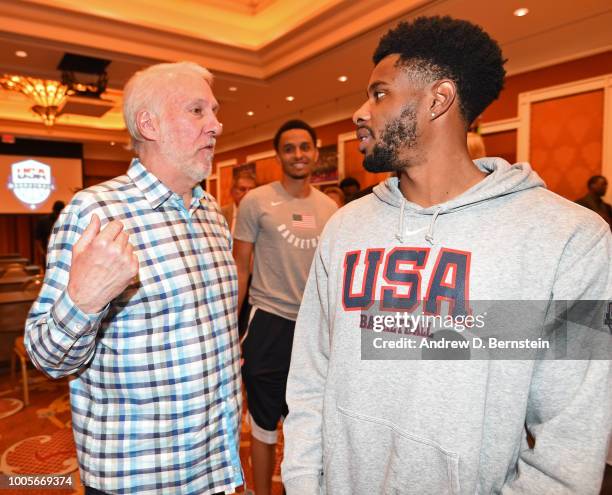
[443, 94]
[148, 125]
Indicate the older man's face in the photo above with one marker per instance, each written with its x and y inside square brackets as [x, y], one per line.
[189, 127]
[242, 186]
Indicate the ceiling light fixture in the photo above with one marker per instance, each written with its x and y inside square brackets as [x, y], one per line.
[290, 98]
[49, 96]
[522, 12]
[250, 113]
[84, 76]
[232, 88]
[343, 79]
[21, 54]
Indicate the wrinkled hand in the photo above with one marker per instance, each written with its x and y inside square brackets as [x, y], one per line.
[103, 264]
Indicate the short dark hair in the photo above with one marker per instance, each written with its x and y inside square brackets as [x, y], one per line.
[594, 179]
[447, 48]
[348, 182]
[294, 124]
[58, 206]
[243, 174]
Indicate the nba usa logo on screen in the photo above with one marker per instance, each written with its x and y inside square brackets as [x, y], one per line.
[31, 182]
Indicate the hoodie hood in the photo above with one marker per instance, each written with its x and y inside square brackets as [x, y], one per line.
[502, 179]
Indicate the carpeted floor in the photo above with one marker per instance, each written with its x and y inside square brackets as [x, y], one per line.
[38, 438]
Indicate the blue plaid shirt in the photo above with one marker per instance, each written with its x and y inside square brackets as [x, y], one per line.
[156, 399]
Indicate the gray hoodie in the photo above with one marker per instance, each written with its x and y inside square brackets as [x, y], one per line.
[358, 426]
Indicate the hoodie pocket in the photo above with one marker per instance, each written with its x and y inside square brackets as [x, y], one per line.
[373, 456]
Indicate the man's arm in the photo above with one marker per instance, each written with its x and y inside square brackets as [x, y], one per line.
[303, 457]
[568, 411]
[245, 236]
[243, 251]
[82, 278]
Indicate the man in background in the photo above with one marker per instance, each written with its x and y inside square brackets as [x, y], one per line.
[279, 224]
[597, 185]
[336, 194]
[138, 304]
[44, 227]
[242, 183]
[350, 187]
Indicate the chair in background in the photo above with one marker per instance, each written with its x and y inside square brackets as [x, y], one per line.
[34, 284]
[14, 270]
[33, 270]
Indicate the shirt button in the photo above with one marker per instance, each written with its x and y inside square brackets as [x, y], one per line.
[78, 327]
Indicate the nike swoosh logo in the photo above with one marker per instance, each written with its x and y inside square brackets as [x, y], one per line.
[276, 203]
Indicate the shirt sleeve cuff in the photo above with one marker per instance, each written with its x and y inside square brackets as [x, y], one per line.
[241, 236]
[72, 320]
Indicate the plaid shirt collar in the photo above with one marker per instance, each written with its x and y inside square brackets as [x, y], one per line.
[155, 191]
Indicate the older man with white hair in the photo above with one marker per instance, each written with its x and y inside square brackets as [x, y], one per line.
[139, 304]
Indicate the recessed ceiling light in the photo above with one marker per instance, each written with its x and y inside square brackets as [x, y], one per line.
[250, 113]
[112, 143]
[521, 12]
[290, 98]
[21, 54]
[343, 79]
[233, 88]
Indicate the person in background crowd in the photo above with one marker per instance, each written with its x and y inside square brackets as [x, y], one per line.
[242, 183]
[597, 185]
[279, 224]
[44, 227]
[139, 304]
[350, 187]
[446, 239]
[336, 194]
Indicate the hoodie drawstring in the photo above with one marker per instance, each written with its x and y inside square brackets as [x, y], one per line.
[400, 228]
[429, 237]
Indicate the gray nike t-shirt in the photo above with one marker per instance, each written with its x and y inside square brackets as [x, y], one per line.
[285, 231]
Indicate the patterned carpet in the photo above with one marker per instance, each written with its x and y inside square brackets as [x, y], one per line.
[38, 438]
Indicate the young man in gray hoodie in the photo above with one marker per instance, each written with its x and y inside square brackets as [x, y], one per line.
[450, 237]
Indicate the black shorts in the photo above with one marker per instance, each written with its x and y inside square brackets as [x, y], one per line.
[267, 354]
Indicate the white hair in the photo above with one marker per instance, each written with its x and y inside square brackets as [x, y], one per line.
[141, 91]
